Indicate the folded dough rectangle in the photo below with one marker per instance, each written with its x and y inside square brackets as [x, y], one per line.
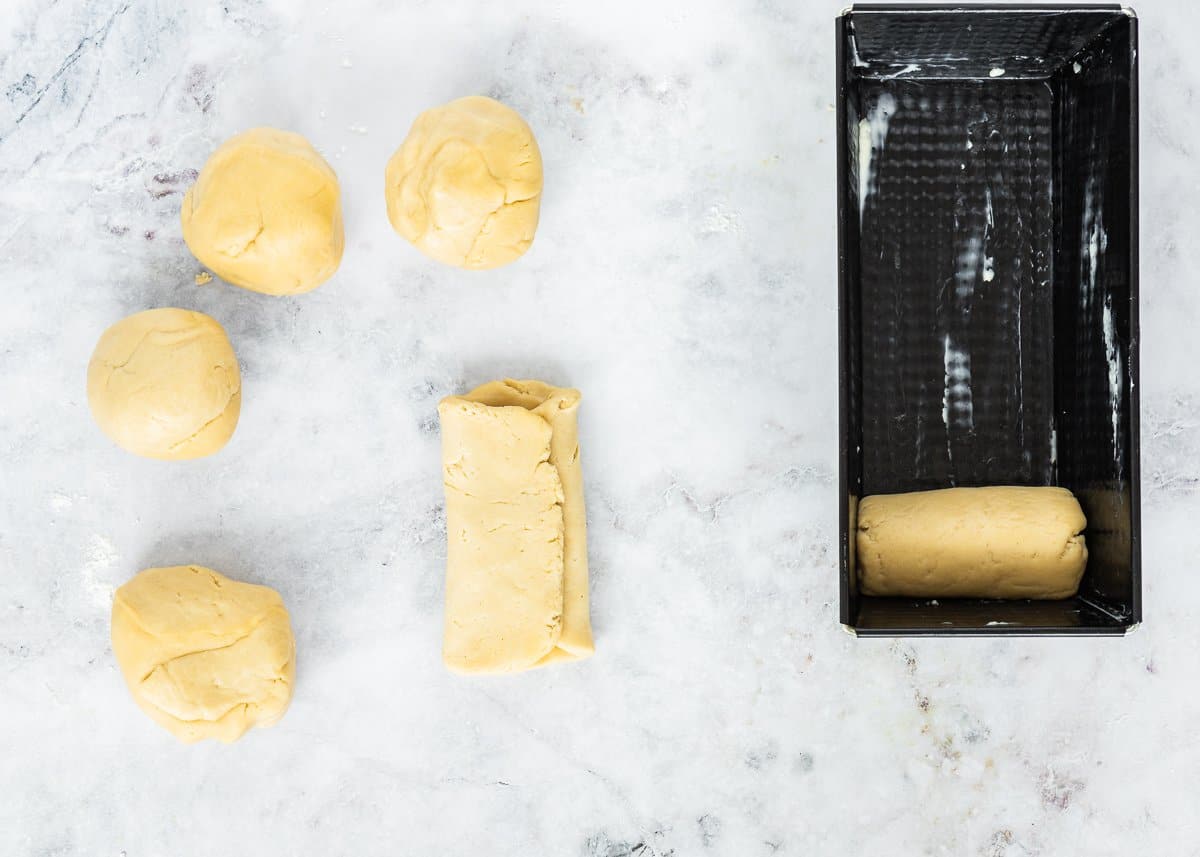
[994, 542]
[516, 559]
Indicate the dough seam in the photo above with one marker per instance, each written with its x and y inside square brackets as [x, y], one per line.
[191, 437]
[137, 623]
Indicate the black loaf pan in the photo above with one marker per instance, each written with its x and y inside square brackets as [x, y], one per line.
[987, 244]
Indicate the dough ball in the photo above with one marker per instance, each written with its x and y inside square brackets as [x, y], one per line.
[466, 186]
[164, 383]
[203, 655]
[266, 213]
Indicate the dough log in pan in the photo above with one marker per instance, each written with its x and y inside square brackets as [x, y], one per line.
[516, 559]
[996, 542]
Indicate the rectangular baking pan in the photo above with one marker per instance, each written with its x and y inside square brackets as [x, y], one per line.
[987, 275]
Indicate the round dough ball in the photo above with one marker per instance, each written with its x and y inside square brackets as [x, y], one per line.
[466, 186]
[203, 655]
[164, 383]
[266, 213]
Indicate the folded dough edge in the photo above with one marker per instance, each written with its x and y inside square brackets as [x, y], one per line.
[498, 618]
[559, 406]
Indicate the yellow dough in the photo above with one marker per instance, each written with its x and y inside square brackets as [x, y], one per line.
[265, 213]
[164, 383]
[203, 655]
[997, 542]
[516, 564]
[466, 185]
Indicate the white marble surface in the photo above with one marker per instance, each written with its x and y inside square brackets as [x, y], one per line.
[683, 277]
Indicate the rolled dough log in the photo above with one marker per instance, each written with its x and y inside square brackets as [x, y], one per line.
[996, 542]
[516, 563]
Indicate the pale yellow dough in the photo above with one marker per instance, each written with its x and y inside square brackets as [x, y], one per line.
[466, 185]
[164, 383]
[996, 542]
[516, 565]
[265, 213]
[203, 655]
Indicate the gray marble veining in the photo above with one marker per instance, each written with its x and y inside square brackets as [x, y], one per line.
[683, 278]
